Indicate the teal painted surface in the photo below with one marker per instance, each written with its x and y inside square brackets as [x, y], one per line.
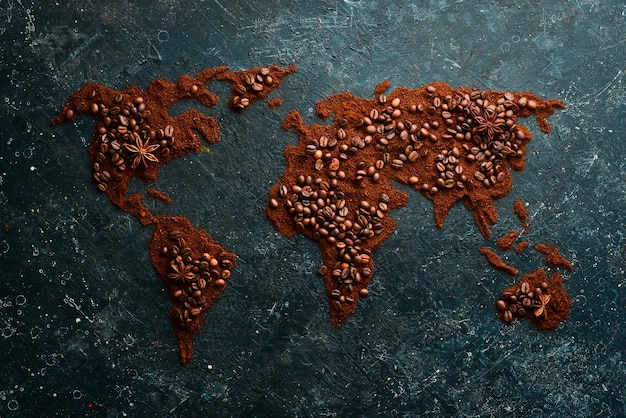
[83, 329]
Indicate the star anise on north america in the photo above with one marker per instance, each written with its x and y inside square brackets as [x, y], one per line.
[142, 152]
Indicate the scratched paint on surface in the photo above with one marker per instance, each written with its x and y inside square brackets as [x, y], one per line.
[71, 313]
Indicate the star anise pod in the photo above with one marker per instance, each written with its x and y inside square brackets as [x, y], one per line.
[142, 151]
[489, 123]
[181, 273]
[541, 309]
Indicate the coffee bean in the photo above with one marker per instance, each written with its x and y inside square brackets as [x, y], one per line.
[397, 164]
[525, 287]
[507, 316]
[501, 305]
[479, 176]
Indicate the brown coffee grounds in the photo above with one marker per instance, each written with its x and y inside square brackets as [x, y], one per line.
[251, 85]
[521, 247]
[449, 144]
[274, 103]
[544, 303]
[157, 194]
[554, 257]
[134, 136]
[496, 262]
[522, 214]
[195, 268]
[507, 242]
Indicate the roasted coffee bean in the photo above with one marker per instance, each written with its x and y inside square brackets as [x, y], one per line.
[501, 305]
[397, 164]
[507, 316]
[479, 176]
[525, 287]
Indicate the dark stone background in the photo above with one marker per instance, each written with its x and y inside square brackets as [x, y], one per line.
[83, 327]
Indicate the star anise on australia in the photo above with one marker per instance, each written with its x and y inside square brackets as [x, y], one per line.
[142, 152]
[489, 123]
[181, 273]
[541, 309]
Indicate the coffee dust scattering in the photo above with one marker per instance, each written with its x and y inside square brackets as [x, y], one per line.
[196, 270]
[134, 136]
[522, 214]
[496, 262]
[521, 246]
[543, 302]
[274, 103]
[507, 242]
[158, 195]
[554, 257]
[449, 144]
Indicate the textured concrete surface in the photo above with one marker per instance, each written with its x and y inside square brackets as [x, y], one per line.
[83, 329]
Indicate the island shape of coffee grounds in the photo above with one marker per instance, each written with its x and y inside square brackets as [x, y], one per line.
[449, 144]
[545, 303]
[134, 136]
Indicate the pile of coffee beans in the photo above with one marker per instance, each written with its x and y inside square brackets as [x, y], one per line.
[121, 124]
[247, 91]
[523, 302]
